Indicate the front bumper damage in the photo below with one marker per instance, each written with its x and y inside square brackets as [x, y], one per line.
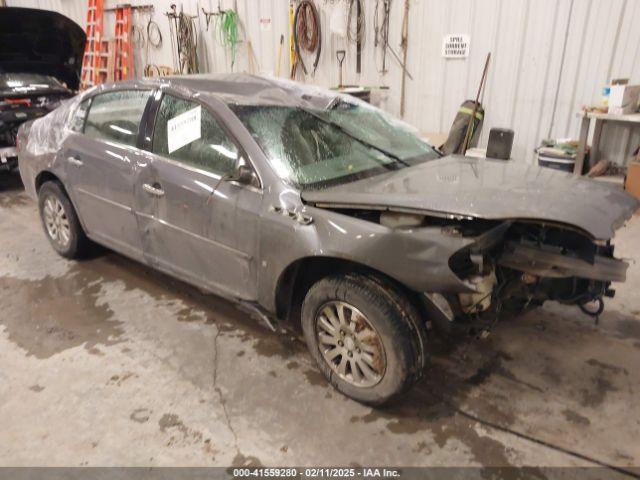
[550, 262]
[515, 266]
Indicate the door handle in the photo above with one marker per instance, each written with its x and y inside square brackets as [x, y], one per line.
[75, 161]
[155, 189]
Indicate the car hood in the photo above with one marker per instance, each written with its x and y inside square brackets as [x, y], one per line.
[41, 41]
[489, 189]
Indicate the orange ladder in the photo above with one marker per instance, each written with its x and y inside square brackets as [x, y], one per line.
[123, 44]
[94, 30]
[106, 65]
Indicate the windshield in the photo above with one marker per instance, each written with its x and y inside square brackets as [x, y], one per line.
[27, 82]
[317, 147]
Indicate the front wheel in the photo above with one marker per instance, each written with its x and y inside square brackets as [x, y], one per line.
[365, 336]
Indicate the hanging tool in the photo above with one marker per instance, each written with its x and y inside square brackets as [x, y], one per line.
[183, 40]
[293, 57]
[382, 38]
[400, 62]
[381, 30]
[251, 59]
[172, 16]
[154, 39]
[307, 33]
[358, 36]
[187, 38]
[470, 126]
[404, 44]
[340, 54]
[280, 47]
[154, 35]
[226, 29]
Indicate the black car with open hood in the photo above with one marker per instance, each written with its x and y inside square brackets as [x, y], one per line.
[40, 63]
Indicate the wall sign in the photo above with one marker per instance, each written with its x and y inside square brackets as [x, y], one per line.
[455, 45]
[265, 24]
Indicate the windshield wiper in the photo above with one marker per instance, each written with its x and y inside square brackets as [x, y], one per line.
[355, 137]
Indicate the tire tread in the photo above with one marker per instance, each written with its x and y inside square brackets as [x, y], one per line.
[402, 317]
[79, 243]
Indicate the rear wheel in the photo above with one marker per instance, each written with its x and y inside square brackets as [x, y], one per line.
[60, 221]
[365, 336]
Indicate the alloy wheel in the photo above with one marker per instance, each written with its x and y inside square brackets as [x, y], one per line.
[349, 344]
[56, 221]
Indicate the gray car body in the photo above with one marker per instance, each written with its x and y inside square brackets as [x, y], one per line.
[241, 242]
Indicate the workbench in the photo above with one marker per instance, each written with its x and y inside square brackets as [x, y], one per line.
[630, 120]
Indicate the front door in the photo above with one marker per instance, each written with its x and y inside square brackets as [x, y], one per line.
[101, 163]
[194, 222]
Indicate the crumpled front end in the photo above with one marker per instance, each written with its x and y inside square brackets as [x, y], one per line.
[487, 267]
[516, 265]
[531, 234]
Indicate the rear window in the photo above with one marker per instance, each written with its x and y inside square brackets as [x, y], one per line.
[116, 116]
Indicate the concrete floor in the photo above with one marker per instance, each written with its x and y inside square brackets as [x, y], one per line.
[105, 362]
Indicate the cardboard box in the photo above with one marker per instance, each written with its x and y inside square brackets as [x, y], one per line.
[623, 99]
[632, 183]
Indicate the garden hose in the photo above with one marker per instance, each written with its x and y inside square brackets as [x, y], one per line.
[154, 36]
[187, 44]
[227, 31]
[307, 34]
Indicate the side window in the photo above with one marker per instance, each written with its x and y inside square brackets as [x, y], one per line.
[116, 116]
[185, 131]
[77, 122]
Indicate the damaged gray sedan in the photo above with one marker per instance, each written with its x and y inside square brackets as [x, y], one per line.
[317, 209]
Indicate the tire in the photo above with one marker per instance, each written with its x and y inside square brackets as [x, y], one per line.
[71, 242]
[385, 322]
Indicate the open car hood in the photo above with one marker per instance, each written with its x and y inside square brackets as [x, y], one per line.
[41, 41]
[489, 189]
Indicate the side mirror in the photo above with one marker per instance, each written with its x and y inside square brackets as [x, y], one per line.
[244, 175]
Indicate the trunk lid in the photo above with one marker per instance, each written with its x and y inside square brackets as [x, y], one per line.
[489, 189]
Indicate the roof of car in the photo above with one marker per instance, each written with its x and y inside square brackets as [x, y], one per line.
[245, 89]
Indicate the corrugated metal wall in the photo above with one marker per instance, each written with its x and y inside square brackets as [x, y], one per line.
[549, 57]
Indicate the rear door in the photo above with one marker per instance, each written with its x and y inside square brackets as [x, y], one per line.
[101, 164]
[194, 222]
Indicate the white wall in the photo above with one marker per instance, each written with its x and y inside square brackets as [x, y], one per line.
[549, 57]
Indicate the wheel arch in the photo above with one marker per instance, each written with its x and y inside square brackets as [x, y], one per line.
[47, 176]
[296, 279]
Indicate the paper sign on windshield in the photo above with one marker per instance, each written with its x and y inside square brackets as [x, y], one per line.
[184, 129]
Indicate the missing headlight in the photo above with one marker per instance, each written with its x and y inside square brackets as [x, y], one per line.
[401, 220]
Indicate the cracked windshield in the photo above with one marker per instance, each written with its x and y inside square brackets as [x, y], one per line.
[313, 148]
